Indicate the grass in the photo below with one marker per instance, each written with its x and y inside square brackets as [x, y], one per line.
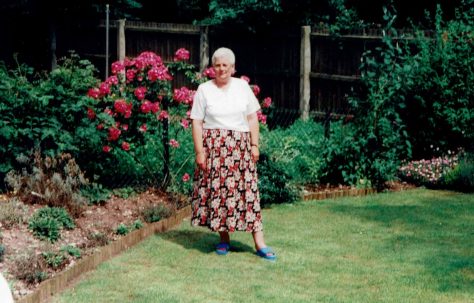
[413, 246]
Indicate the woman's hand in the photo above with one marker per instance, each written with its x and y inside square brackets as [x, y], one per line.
[255, 153]
[201, 160]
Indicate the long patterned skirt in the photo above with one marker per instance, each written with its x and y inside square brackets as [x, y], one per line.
[225, 195]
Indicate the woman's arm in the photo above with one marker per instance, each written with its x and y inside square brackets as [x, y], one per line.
[198, 146]
[254, 135]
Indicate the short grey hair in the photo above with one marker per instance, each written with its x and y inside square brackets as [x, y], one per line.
[224, 52]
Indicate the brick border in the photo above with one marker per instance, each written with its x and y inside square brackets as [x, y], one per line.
[353, 192]
[61, 281]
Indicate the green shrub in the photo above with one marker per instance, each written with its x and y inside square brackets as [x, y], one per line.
[275, 186]
[54, 260]
[156, 212]
[72, 251]
[47, 222]
[461, 178]
[95, 193]
[122, 229]
[137, 224]
[297, 150]
[43, 111]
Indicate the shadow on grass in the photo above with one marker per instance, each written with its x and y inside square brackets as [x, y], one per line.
[202, 240]
[438, 229]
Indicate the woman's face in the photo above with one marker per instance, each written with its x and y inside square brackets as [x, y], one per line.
[224, 70]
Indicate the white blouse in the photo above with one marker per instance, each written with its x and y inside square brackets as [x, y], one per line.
[224, 108]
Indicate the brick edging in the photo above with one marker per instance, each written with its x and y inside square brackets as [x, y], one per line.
[353, 192]
[61, 280]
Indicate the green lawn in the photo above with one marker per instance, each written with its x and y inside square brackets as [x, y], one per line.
[413, 246]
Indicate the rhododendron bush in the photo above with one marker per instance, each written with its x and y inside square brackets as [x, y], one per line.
[143, 121]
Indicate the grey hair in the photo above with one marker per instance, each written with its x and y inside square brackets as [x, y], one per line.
[224, 52]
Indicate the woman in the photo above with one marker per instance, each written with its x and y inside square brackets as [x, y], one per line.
[225, 134]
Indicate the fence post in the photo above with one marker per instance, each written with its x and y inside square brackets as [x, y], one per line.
[121, 39]
[203, 48]
[305, 70]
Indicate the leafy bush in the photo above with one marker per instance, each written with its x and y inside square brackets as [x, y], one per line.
[275, 186]
[47, 222]
[12, 212]
[95, 193]
[122, 229]
[462, 176]
[42, 111]
[156, 212]
[54, 260]
[71, 250]
[137, 224]
[439, 102]
[54, 181]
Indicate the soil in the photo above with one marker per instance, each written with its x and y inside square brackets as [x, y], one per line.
[95, 220]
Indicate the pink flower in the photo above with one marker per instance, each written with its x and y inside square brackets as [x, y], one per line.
[186, 177]
[125, 146]
[256, 89]
[142, 128]
[104, 89]
[163, 115]
[146, 107]
[122, 107]
[181, 54]
[184, 123]
[174, 143]
[267, 102]
[183, 95]
[108, 111]
[125, 127]
[209, 72]
[100, 126]
[117, 67]
[155, 107]
[247, 79]
[106, 148]
[93, 93]
[261, 117]
[90, 113]
[188, 114]
[114, 134]
[112, 80]
[140, 92]
[130, 75]
[159, 73]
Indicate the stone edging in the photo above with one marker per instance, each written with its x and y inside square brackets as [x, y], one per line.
[353, 192]
[60, 281]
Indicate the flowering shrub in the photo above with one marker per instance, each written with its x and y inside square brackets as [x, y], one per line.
[139, 115]
[428, 172]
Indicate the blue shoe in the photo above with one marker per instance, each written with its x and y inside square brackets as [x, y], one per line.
[267, 253]
[222, 248]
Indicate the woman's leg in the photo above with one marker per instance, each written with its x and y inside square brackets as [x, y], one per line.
[258, 239]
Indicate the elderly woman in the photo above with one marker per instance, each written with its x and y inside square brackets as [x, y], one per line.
[225, 132]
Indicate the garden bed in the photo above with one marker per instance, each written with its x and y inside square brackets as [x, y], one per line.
[96, 227]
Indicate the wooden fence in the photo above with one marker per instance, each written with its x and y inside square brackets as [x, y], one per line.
[305, 70]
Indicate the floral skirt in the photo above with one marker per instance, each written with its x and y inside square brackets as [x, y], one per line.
[225, 195]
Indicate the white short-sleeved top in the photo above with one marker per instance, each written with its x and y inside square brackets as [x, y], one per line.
[224, 109]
